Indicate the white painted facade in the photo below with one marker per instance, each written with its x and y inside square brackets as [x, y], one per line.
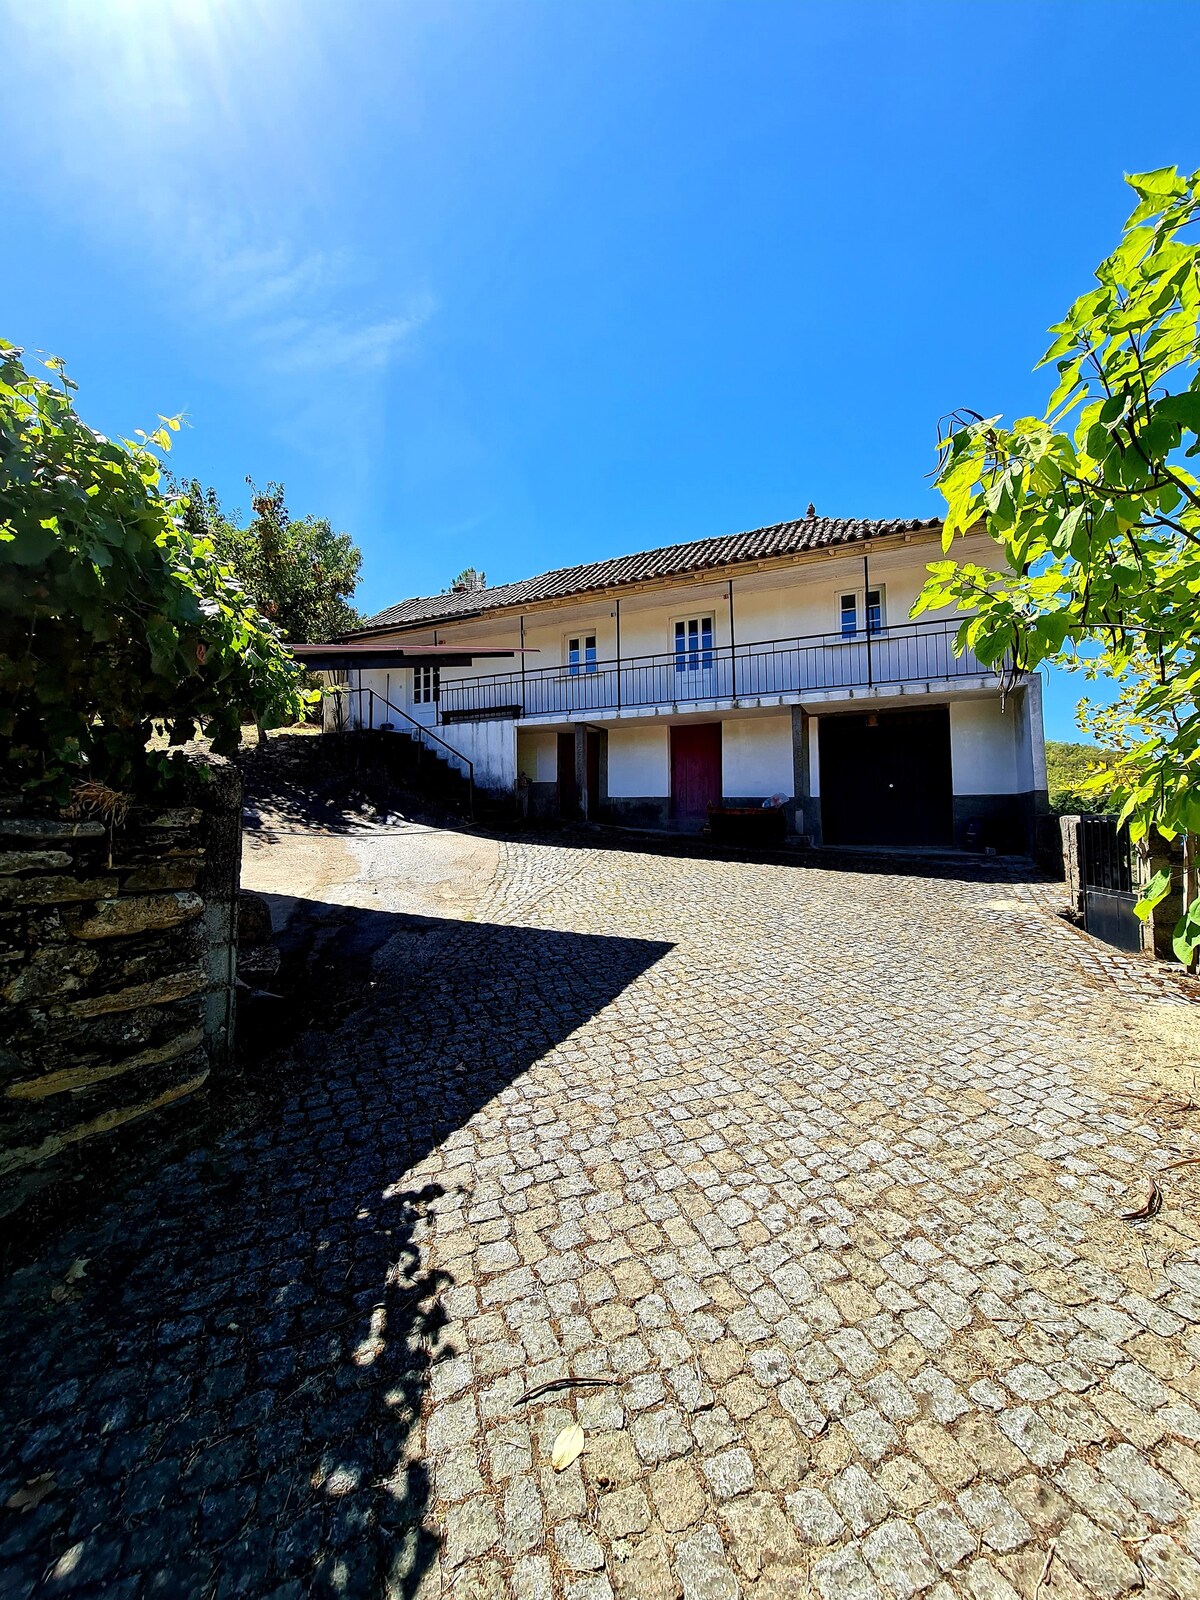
[769, 660]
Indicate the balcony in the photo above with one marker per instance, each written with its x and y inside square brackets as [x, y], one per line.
[820, 665]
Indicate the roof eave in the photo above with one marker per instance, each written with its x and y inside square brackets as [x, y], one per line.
[695, 575]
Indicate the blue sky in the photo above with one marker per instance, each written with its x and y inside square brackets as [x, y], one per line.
[519, 285]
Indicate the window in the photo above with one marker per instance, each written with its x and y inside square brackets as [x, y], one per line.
[426, 685]
[581, 653]
[694, 644]
[854, 602]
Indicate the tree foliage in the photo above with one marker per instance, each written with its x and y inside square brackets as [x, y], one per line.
[469, 581]
[113, 617]
[1097, 512]
[299, 573]
[1072, 771]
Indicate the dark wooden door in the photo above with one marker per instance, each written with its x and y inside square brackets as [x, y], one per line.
[885, 778]
[568, 786]
[695, 770]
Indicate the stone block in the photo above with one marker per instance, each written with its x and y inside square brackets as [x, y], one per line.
[158, 992]
[54, 890]
[116, 919]
[39, 829]
[84, 1077]
[32, 860]
[163, 875]
[49, 972]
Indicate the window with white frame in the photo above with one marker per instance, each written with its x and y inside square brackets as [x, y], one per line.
[426, 685]
[860, 610]
[581, 653]
[694, 644]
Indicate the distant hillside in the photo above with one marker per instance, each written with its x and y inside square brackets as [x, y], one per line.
[1067, 766]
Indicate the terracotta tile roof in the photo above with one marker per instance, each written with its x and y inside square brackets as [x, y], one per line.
[783, 538]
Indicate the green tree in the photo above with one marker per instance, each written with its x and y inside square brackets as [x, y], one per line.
[1097, 514]
[469, 581]
[299, 573]
[113, 616]
[1071, 773]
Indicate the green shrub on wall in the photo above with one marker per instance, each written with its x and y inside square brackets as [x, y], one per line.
[112, 617]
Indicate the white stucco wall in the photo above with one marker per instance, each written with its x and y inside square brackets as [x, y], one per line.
[756, 757]
[537, 754]
[1031, 737]
[983, 746]
[638, 762]
[492, 746]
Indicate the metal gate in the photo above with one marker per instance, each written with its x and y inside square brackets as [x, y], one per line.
[1108, 892]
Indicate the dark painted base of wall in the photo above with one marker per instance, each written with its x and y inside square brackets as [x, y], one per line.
[808, 816]
[543, 800]
[654, 811]
[1005, 822]
[638, 811]
[756, 800]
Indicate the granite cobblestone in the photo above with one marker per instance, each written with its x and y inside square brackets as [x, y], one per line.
[805, 1163]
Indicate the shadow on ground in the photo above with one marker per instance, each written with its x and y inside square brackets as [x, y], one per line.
[949, 865]
[223, 1401]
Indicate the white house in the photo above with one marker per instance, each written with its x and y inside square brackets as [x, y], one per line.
[775, 663]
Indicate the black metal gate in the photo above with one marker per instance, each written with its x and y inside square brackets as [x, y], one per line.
[1108, 892]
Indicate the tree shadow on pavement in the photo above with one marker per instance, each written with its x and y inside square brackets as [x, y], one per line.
[224, 1400]
[948, 865]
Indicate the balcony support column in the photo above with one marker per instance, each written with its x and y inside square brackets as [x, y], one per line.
[807, 804]
[618, 617]
[867, 614]
[732, 647]
[581, 783]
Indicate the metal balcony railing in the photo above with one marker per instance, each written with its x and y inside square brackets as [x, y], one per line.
[913, 652]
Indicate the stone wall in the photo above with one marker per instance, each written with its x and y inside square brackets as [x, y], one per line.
[117, 970]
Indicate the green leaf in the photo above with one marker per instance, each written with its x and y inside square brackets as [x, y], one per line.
[1181, 408]
[1158, 888]
[1186, 939]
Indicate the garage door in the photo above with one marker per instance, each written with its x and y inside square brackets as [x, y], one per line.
[885, 778]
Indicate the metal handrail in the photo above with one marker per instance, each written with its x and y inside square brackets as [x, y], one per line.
[900, 653]
[423, 733]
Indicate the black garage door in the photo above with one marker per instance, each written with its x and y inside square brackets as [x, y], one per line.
[885, 778]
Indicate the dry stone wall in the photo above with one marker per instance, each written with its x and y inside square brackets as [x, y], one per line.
[117, 971]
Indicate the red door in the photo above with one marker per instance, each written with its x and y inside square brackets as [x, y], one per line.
[695, 770]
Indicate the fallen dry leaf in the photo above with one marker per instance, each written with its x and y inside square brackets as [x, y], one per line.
[77, 1269]
[32, 1495]
[1150, 1207]
[568, 1447]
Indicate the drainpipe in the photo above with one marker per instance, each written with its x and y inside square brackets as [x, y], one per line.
[522, 666]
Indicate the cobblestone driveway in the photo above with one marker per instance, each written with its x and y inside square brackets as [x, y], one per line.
[807, 1164]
